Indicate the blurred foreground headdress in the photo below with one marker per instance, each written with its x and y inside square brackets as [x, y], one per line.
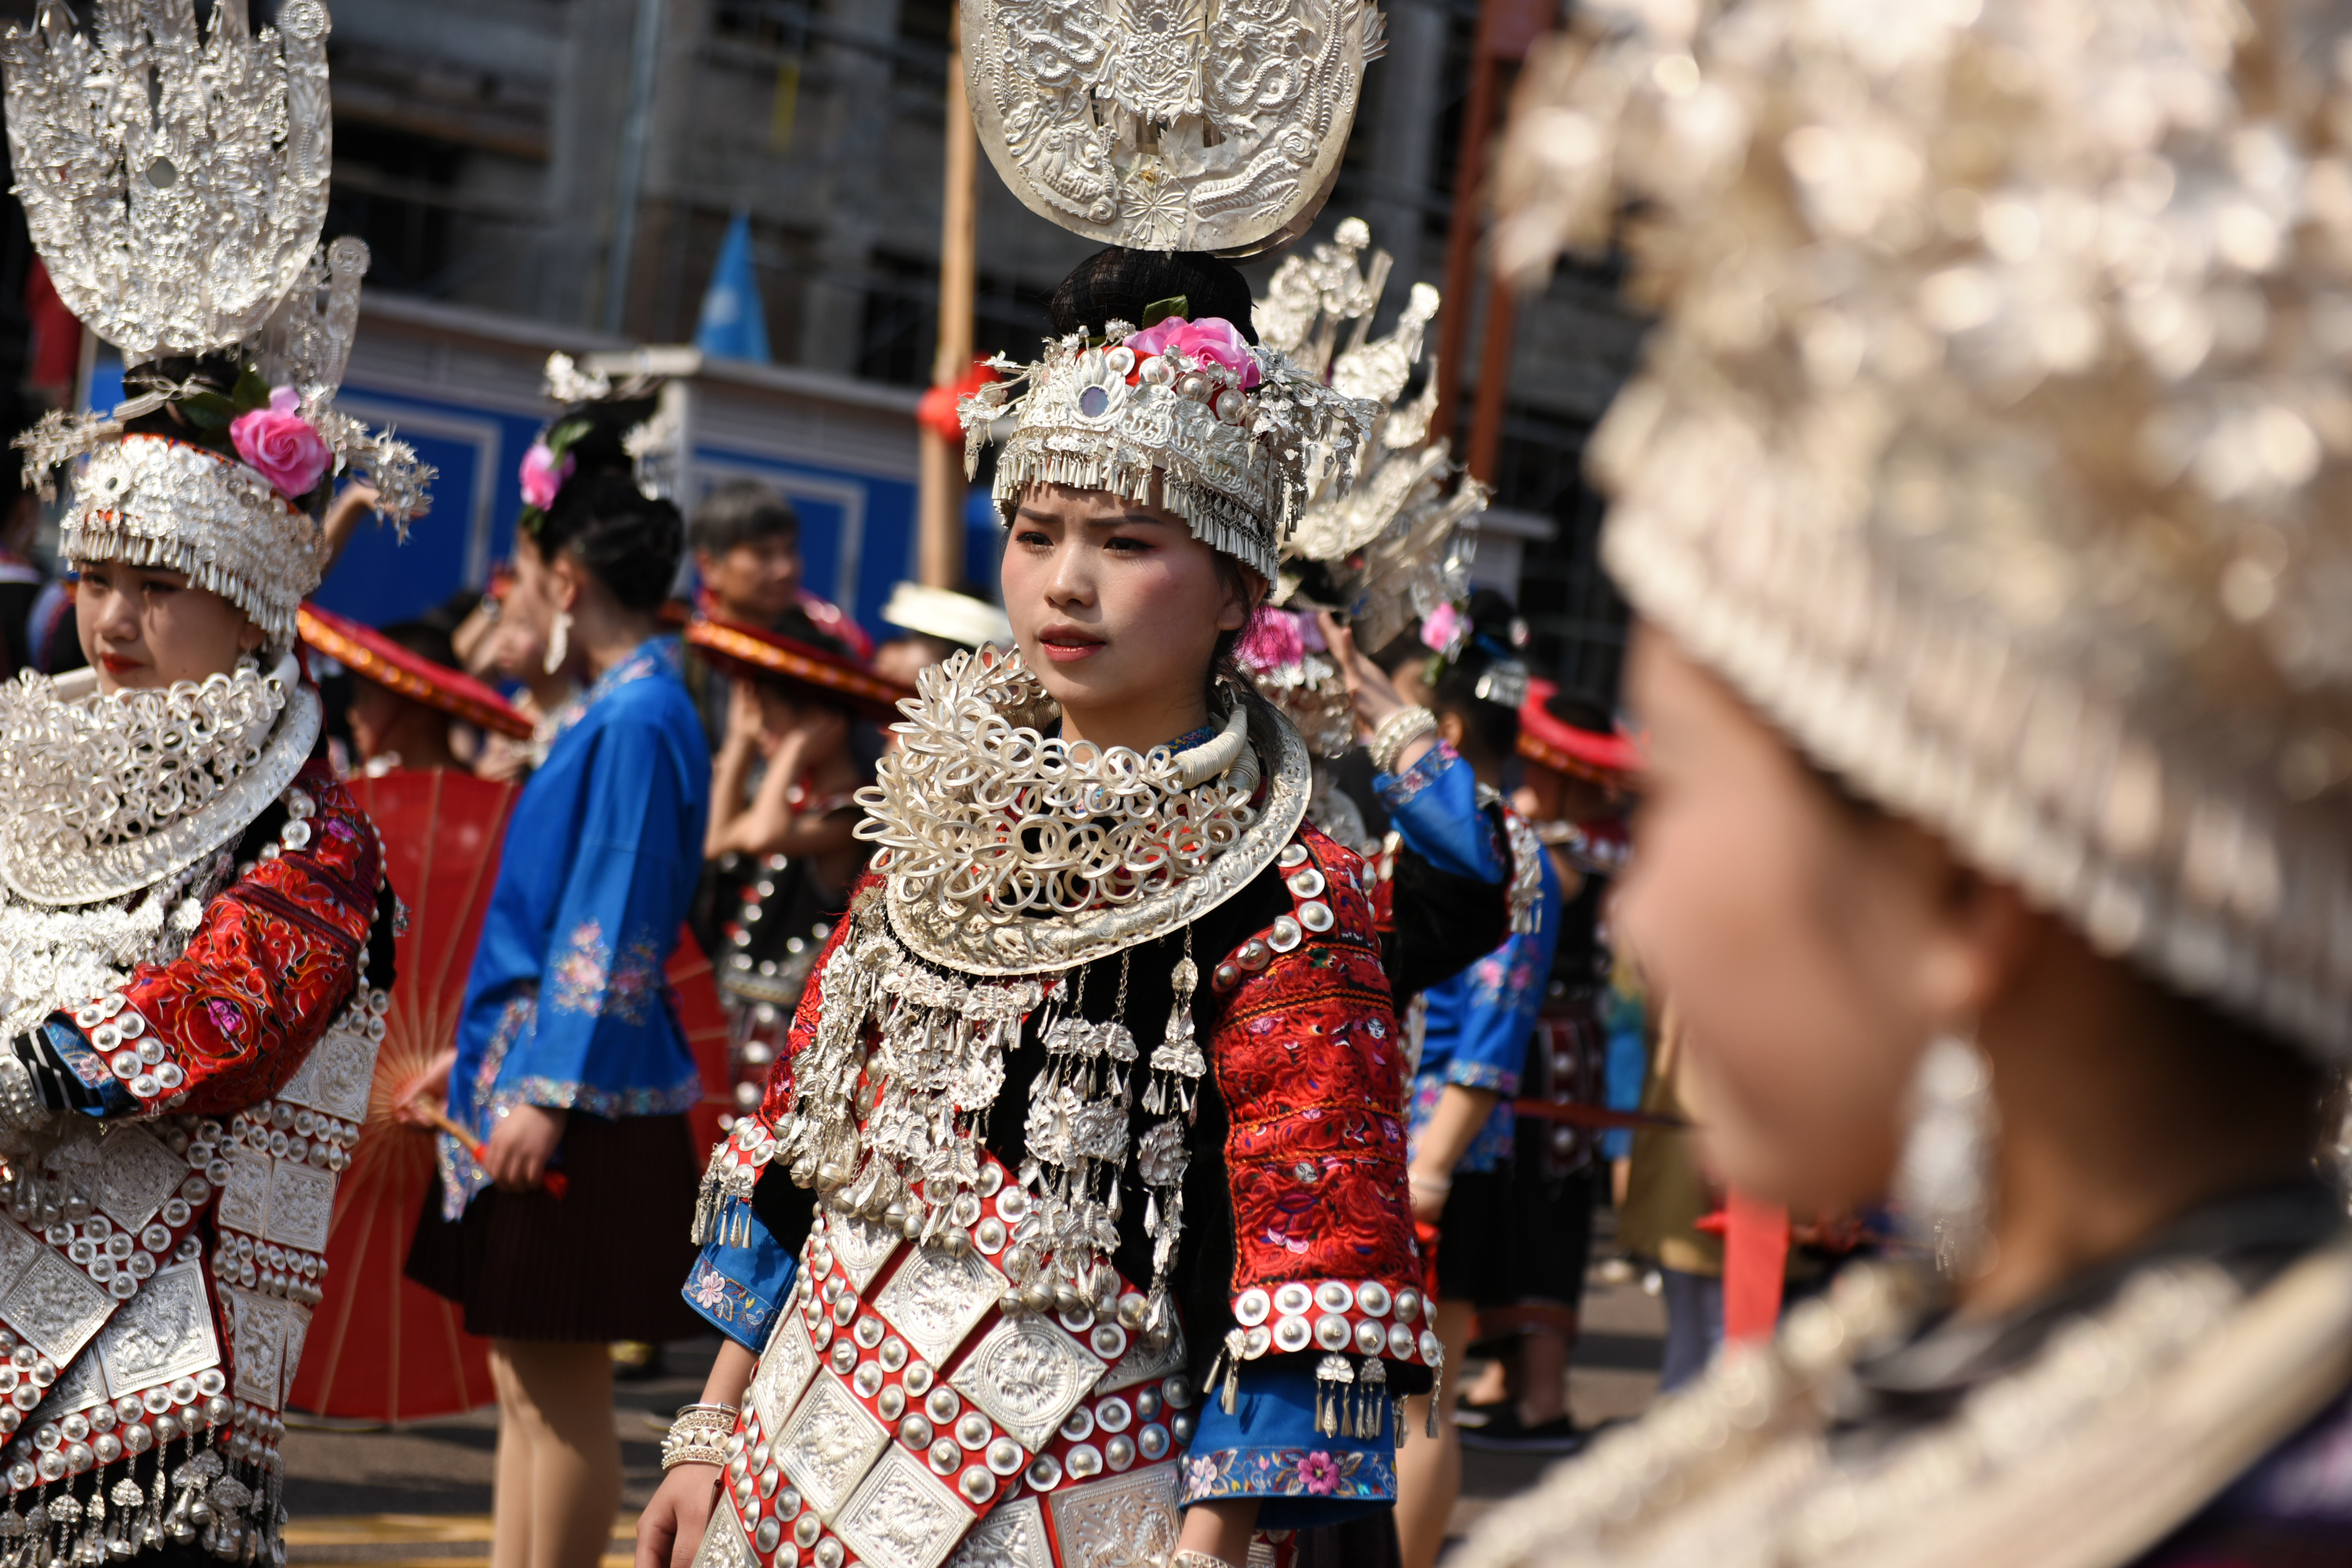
[175, 183]
[1995, 439]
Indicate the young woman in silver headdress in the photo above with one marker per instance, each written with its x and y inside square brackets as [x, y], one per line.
[1986, 503]
[1078, 1196]
[195, 931]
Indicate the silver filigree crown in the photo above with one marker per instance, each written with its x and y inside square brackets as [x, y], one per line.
[1230, 437]
[1169, 124]
[1397, 543]
[175, 183]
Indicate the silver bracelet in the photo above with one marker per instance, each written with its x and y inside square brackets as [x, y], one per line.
[20, 1103]
[1396, 732]
[1197, 1560]
[698, 1436]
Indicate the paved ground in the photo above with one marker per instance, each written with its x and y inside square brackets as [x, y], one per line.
[420, 1495]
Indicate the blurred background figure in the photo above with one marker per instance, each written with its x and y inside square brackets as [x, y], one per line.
[746, 542]
[1473, 1048]
[1575, 771]
[936, 623]
[780, 851]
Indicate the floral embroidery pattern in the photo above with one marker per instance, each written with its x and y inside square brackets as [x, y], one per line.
[638, 984]
[1347, 1474]
[589, 980]
[1494, 1140]
[582, 971]
[725, 1300]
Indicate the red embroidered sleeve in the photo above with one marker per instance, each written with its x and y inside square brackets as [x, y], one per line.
[225, 1024]
[1311, 1065]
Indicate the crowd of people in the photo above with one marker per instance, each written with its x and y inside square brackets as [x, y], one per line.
[1188, 1005]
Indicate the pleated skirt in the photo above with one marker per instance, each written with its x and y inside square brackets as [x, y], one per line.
[607, 1261]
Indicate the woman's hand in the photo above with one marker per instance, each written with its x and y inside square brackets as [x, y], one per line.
[746, 727]
[670, 1532]
[1375, 694]
[414, 1102]
[521, 1145]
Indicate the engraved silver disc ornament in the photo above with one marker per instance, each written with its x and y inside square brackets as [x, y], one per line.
[1169, 124]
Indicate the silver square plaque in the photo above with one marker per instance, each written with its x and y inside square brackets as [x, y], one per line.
[163, 1333]
[136, 1174]
[935, 1298]
[829, 1444]
[724, 1545]
[245, 1197]
[257, 1337]
[301, 1206]
[55, 1306]
[297, 1331]
[18, 1245]
[902, 1516]
[785, 1367]
[1029, 1374]
[1012, 1536]
[860, 1246]
[1119, 1521]
[336, 1076]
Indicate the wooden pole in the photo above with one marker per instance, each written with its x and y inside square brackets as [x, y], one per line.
[940, 542]
[1507, 30]
[1493, 384]
[1463, 232]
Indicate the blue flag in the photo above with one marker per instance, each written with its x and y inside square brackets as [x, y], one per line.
[733, 326]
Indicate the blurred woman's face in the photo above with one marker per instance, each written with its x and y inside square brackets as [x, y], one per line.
[1808, 945]
[142, 628]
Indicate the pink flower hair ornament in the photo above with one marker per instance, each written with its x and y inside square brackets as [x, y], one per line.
[544, 475]
[1209, 339]
[280, 445]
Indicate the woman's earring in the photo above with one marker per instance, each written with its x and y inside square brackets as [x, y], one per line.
[1943, 1183]
[558, 642]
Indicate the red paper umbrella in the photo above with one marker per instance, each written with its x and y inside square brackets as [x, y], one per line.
[705, 1023]
[381, 1345]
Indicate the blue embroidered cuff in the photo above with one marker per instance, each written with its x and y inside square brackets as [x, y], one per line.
[739, 1289]
[1269, 1448]
[1399, 791]
[1482, 1075]
[1434, 807]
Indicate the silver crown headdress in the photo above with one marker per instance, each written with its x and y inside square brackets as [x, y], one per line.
[175, 185]
[1994, 439]
[1169, 124]
[1230, 437]
[1397, 543]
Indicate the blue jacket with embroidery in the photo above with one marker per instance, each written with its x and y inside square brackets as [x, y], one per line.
[1477, 1023]
[566, 1006]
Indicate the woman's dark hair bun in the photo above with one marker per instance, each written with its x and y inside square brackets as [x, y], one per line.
[1122, 284]
[628, 539]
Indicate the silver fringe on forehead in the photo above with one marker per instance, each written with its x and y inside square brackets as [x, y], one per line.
[1237, 465]
[155, 502]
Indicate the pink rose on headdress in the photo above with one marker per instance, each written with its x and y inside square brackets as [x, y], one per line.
[1210, 337]
[543, 474]
[1443, 630]
[1273, 642]
[281, 445]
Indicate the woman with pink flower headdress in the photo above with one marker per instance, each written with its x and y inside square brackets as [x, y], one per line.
[196, 927]
[569, 1056]
[1073, 1226]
